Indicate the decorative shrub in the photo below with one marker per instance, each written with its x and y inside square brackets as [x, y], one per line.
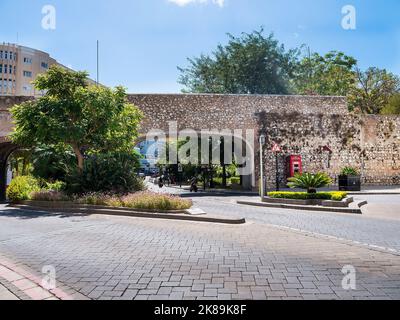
[155, 201]
[235, 180]
[55, 186]
[349, 171]
[310, 182]
[335, 196]
[48, 195]
[21, 188]
[99, 199]
[110, 173]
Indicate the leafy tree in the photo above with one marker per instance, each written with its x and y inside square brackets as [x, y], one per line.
[88, 119]
[393, 107]
[332, 74]
[52, 162]
[249, 64]
[374, 89]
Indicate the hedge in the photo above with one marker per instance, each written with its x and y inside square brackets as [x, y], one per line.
[335, 196]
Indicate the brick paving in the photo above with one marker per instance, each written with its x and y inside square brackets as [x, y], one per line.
[130, 258]
[372, 229]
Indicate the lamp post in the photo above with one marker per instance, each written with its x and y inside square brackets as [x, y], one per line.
[277, 149]
[262, 144]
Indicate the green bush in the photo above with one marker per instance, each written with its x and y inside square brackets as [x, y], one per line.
[55, 186]
[109, 173]
[21, 188]
[349, 171]
[335, 196]
[235, 180]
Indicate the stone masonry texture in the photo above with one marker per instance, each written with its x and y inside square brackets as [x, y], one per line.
[301, 125]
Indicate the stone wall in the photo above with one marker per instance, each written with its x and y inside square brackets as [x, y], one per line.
[299, 124]
[205, 111]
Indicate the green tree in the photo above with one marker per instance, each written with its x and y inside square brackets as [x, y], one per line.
[250, 64]
[88, 119]
[393, 107]
[374, 89]
[332, 74]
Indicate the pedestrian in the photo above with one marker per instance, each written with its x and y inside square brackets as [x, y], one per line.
[161, 182]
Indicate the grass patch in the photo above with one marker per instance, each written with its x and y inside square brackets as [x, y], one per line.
[140, 200]
[155, 201]
[49, 195]
[334, 196]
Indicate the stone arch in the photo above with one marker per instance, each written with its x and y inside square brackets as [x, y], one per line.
[6, 149]
[248, 179]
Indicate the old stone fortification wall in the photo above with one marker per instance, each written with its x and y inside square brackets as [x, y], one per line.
[301, 125]
[204, 111]
[369, 143]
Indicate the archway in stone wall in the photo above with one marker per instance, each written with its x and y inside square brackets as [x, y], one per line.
[6, 149]
[246, 166]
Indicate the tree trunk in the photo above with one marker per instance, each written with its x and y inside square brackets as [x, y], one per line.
[79, 156]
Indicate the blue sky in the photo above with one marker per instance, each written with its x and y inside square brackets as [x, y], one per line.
[143, 41]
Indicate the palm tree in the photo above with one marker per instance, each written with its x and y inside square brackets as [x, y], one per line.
[310, 182]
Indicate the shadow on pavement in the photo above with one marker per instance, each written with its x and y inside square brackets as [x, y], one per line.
[10, 212]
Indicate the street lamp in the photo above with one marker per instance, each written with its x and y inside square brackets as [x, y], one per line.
[263, 140]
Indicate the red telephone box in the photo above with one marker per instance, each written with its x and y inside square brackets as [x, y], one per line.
[294, 165]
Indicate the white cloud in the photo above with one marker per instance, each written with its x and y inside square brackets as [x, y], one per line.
[183, 3]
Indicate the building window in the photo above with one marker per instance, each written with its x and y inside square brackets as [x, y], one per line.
[27, 60]
[28, 74]
[27, 88]
[1, 68]
[6, 55]
[1, 54]
[5, 68]
[10, 68]
[45, 65]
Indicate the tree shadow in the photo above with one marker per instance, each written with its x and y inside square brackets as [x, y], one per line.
[24, 214]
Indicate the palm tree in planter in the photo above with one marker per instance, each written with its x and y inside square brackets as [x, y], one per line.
[310, 182]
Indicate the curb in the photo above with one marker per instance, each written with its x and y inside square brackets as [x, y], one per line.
[300, 207]
[373, 193]
[129, 213]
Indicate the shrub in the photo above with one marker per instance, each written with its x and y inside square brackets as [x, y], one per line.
[55, 186]
[335, 196]
[310, 182]
[235, 180]
[338, 196]
[48, 195]
[155, 201]
[349, 171]
[21, 187]
[110, 173]
[99, 199]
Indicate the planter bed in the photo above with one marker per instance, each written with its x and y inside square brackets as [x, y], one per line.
[311, 202]
[70, 208]
[73, 205]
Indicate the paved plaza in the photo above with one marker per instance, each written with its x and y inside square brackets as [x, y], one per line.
[102, 257]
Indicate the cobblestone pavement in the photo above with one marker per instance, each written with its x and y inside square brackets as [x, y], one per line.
[375, 228]
[130, 258]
